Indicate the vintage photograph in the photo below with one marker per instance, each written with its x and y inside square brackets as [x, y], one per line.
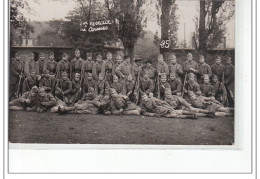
[146, 72]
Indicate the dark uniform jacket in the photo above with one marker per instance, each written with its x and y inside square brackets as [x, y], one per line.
[176, 86]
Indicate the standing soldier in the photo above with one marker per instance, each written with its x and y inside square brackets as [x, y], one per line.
[204, 69]
[76, 64]
[41, 63]
[229, 74]
[29, 82]
[63, 66]
[161, 66]
[16, 76]
[217, 68]
[98, 65]
[174, 67]
[190, 66]
[220, 90]
[176, 85]
[150, 70]
[119, 87]
[102, 85]
[89, 82]
[63, 88]
[107, 68]
[47, 82]
[124, 69]
[50, 64]
[30, 65]
[206, 88]
[88, 66]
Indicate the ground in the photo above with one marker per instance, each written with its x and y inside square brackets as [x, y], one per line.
[32, 127]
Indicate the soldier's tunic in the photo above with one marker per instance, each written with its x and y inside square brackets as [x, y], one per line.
[151, 71]
[218, 70]
[88, 66]
[29, 66]
[46, 102]
[156, 106]
[229, 73]
[175, 101]
[41, 63]
[220, 92]
[75, 92]
[85, 107]
[102, 104]
[162, 68]
[101, 86]
[122, 102]
[193, 86]
[107, 70]
[176, 86]
[123, 70]
[15, 68]
[129, 85]
[89, 84]
[201, 103]
[190, 64]
[62, 66]
[119, 87]
[48, 83]
[28, 83]
[176, 69]
[207, 90]
[147, 86]
[204, 69]
[163, 87]
[97, 68]
[75, 66]
[21, 101]
[51, 66]
[63, 86]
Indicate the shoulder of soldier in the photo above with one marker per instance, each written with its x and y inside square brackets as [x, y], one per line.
[49, 95]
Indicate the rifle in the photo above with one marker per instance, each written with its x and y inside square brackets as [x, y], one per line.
[19, 84]
[158, 86]
[184, 83]
[131, 96]
[138, 89]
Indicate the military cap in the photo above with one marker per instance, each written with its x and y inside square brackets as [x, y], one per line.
[41, 89]
[34, 89]
[89, 54]
[99, 56]
[159, 55]
[77, 74]
[77, 50]
[205, 76]
[64, 74]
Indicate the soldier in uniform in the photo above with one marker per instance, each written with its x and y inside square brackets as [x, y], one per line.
[16, 69]
[147, 85]
[107, 68]
[161, 66]
[163, 86]
[98, 65]
[47, 82]
[102, 102]
[120, 104]
[151, 106]
[192, 85]
[89, 82]
[176, 85]
[129, 85]
[45, 100]
[76, 64]
[119, 87]
[124, 69]
[190, 65]
[41, 63]
[88, 66]
[102, 85]
[118, 61]
[50, 64]
[29, 82]
[75, 93]
[204, 69]
[63, 88]
[174, 67]
[28, 101]
[30, 65]
[150, 70]
[229, 73]
[206, 88]
[63, 66]
[220, 90]
[217, 68]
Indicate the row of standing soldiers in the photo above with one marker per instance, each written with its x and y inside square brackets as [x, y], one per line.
[81, 79]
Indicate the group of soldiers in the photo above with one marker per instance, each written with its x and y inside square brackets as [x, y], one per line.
[117, 86]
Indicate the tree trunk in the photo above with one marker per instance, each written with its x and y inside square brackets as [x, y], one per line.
[202, 30]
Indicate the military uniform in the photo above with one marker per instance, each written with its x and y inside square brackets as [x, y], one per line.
[129, 85]
[204, 68]
[51, 66]
[207, 90]
[163, 87]
[220, 92]
[176, 86]
[75, 66]
[46, 102]
[62, 66]
[97, 69]
[122, 102]
[89, 84]
[119, 87]
[21, 102]
[229, 73]
[123, 70]
[218, 70]
[162, 68]
[64, 86]
[29, 67]
[190, 64]
[151, 71]
[193, 86]
[88, 66]
[176, 102]
[176, 69]
[40, 64]
[101, 86]
[107, 70]
[102, 104]
[28, 83]
[204, 103]
[153, 105]
[16, 68]
[147, 85]
[48, 83]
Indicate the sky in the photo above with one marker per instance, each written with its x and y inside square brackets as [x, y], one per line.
[45, 10]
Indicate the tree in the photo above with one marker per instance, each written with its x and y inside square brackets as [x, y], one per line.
[213, 18]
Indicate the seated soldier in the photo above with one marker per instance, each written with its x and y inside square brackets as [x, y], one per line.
[192, 85]
[120, 104]
[210, 104]
[102, 85]
[28, 101]
[151, 106]
[89, 95]
[150, 70]
[206, 88]
[204, 69]
[163, 85]
[129, 84]
[147, 85]
[119, 87]
[29, 82]
[220, 90]
[75, 92]
[89, 82]
[102, 102]
[63, 88]
[174, 67]
[176, 86]
[45, 100]
[47, 82]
